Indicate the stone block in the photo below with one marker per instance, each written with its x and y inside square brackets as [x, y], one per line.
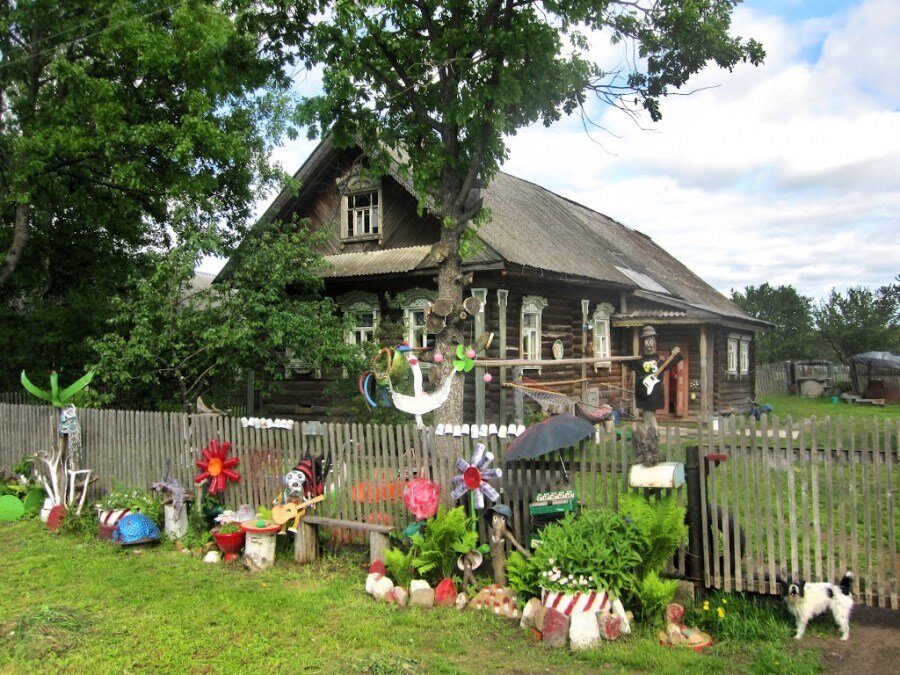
[584, 630]
[609, 625]
[422, 597]
[398, 596]
[556, 628]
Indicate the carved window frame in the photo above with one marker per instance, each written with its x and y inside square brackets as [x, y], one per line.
[351, 185]
[360, 303]
[412, 301]
[601, 319]
[532, 305]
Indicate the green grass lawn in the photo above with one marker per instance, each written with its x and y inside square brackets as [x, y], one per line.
[800, 406]
[71, 604]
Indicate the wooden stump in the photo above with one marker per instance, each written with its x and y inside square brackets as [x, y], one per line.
[378, 544]
[306, 543]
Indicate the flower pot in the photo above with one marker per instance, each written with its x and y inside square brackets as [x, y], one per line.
[176, 521]
[230, 544]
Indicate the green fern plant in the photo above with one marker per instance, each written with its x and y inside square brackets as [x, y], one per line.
[661, 528]
[447, 535]
[653, 594]
[399, 564]
[523, 576]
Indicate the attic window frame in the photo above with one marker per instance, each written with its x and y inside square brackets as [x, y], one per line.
[374, 211]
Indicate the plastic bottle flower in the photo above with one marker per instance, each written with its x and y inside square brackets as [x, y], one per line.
[473, 476]
[217, 466]
[465, 359]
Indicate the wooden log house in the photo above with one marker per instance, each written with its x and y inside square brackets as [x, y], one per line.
[550, 272]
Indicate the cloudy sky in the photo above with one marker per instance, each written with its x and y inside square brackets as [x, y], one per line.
[787, 173]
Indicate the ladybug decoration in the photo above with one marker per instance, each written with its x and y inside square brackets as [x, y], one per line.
[217, 466]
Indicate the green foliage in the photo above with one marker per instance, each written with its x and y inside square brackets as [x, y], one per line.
[123, 124]
[83, 524]
[133, 499]
[523, 577]
[793, 336]
[740, 617]
[227, 528]
[399, 564]
[653, 594]
[447, 535]
[598, 549]
[661, 527]
[861, 320]
[170, 339]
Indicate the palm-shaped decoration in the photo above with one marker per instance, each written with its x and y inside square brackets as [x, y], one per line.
[473, 476]
[56, 397]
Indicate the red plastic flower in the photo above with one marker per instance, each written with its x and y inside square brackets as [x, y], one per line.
[217, 466]
[421, 496]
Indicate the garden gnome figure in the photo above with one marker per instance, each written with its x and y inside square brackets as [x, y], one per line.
[498, 517]
[648, 396]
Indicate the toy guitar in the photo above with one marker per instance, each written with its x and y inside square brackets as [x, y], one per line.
[651, 380]
[282, 513]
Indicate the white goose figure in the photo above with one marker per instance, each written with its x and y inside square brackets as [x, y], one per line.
[421, 402]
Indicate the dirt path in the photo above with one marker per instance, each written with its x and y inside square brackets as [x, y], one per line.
[873, 647]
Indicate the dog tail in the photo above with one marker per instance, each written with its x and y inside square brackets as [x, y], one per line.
[846, 583]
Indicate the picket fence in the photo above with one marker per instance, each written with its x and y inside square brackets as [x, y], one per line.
[809, 498]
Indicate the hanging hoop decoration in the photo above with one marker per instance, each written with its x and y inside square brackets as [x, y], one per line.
[473, 477]
[217, 466]
[381, 366]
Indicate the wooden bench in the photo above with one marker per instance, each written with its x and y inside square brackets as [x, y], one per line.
[306, 541]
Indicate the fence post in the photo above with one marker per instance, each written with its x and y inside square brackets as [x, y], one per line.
[694, 511]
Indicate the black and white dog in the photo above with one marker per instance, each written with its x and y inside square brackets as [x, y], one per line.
[808, 600]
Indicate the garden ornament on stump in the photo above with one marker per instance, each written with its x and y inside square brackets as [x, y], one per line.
[648, 396]
[421, 402]
[499, 517]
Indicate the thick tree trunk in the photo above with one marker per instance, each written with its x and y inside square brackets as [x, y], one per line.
[450, 290]
[21, 235]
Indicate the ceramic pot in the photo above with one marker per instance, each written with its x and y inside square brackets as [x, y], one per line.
[230, 544]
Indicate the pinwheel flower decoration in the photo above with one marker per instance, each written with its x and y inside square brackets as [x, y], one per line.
[473, 476]
[217, 466]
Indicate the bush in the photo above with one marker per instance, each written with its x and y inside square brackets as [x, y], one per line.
[399, 564]
[661, 526]
[598, 549]
[653, 594]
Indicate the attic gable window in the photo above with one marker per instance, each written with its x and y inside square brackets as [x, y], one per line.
[361, 202]
[530, 328]
[363, 214]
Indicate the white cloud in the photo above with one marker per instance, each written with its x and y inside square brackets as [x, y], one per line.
[784, 173]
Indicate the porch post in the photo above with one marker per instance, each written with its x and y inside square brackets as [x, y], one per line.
[585, 306]
[481, 294]
[705, 372]
[502, 296]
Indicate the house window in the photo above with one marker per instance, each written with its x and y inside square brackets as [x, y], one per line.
[530, 328]
[744, 356]
[363, 214]
[732, 364]
[360, 216]
[415, 309]
[364, 312]
[602, 347]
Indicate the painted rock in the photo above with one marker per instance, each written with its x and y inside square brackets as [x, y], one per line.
[499, 599]
[377, 567]
[584, 630]
[461, 601]
[417, 584]
[532, 614]
[609, 625]
[398, 596]
[445, 593]
[382, 587]
[370, 582]
[213, 557]
[556, 628]
[674, 613]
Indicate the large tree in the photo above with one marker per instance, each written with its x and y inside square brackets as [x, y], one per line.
[438, 86]
[121, 124]
[860, 320]
[171, 338]
[793, 334]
